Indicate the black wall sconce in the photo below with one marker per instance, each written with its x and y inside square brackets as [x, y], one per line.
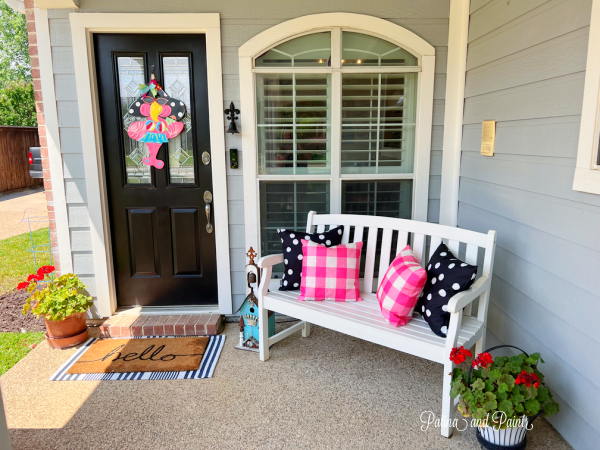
[231, 115]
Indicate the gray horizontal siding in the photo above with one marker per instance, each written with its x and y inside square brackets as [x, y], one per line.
[240, 21]
[526, 70]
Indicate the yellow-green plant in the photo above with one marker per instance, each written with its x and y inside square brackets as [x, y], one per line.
[56, 299]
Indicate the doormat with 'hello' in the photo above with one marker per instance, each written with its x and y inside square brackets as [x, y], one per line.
[143, 358]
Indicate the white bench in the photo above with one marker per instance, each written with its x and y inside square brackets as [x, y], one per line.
[364, 319]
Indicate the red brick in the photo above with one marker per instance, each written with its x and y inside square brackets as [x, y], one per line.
[45, 163]
[33, 51]
[180, 325]
[200, 327]
[31, 27]
[148, 328]
[214, 325]
[39, 106]
[29, 4]
[50, 207]
[29, 14]
[170, 325]
[112, 325]
[189, 329]
[37, 94]
[46, 173]
[125, 326]
[47, 184]
[49, 196]
[136, 327]
[41, 120]
[42, 130]
[53, 236]
[32, 38]
[35, 62]
[159, 329]
[44, 150]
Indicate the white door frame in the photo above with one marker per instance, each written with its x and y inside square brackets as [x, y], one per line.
[309, 24]
[83, 26]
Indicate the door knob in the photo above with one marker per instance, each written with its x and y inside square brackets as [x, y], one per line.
[208, 201]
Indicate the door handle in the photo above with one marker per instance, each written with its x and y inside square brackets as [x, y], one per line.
[208, 201]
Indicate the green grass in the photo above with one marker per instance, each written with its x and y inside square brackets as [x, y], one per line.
[14, 347]
[16, 262]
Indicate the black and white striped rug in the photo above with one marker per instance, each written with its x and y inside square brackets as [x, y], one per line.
[206, 369]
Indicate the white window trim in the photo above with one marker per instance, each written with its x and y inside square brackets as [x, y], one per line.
[322, 22]
[587, 171]
[83, 26]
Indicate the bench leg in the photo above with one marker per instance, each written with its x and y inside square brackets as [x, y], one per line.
[306, 329]
[447, 401]
[480, 344]
[263, 331]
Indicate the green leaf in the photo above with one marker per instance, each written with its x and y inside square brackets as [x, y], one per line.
[533, 406]
[479, 414]
[478, 384]
[489, 385]
[495, 374]
[502, 395]
[508, 380]
[490, 401]
[517, 398]
[543, 394]
[506, 407]
[551, 408]
[503, 387]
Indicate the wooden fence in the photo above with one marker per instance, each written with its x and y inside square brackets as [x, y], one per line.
[14, 157]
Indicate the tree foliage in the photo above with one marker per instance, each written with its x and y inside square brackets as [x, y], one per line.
[14, 54]
[17, 104]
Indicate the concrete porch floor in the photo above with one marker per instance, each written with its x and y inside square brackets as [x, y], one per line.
[325, 391]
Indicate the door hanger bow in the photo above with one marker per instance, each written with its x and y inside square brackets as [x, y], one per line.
[163, 115]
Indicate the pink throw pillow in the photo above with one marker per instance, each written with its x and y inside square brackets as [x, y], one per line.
[401, 287]
[330, 273]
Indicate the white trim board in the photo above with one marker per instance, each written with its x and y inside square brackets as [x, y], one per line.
[53, 140]
[309, 24]
[453, 116]
[587, 172]
[83, 26]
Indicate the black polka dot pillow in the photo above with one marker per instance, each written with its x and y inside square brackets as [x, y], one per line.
[291, 242]
[446, 276]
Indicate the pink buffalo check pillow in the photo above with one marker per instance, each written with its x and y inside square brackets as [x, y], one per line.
[330, 273]
[401, 287]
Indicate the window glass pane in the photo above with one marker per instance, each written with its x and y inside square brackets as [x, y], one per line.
[378, 122]
[294, 116]
[377, 198]
[286, 205]
[364, 50]
[306, 51]
[131, 75]
[176, 83]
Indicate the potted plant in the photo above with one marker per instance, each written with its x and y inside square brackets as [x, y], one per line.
[502, 395]
[62, 302]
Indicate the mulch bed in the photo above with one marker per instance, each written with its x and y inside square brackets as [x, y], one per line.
[11, 316]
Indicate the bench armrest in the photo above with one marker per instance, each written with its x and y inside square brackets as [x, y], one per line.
[270, 261]
[462, 299]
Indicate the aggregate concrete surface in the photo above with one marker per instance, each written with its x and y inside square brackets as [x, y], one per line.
[325, 391]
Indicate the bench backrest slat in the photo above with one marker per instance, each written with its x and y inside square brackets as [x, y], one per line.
[370, 259]
[358, 234]
[402, 241]
[386, 249]
[433, 245]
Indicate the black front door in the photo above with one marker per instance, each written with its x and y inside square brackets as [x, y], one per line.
[163, 253]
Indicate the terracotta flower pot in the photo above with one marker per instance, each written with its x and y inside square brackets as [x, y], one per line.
[70, 326]
[68, 332]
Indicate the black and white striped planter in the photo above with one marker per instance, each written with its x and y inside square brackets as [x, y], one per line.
[508, 438]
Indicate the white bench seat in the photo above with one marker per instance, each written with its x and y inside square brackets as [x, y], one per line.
[365, 321]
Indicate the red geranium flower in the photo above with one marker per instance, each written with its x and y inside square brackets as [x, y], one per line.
[528, 379]
[483, 360]
[458, 355]
[46, 269]
[23, 285]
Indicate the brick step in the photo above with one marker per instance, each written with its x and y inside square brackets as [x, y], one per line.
[135, 325]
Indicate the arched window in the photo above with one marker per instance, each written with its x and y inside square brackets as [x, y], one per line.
[337, 120]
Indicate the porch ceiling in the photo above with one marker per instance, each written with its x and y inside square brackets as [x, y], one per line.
[328, 390]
